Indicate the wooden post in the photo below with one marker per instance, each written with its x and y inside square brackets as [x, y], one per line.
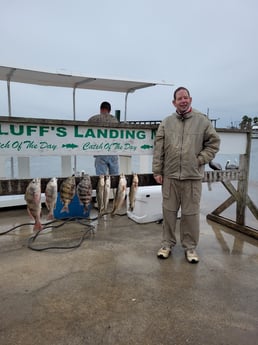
[242, 189]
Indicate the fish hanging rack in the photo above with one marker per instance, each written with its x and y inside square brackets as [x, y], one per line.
[18, 186]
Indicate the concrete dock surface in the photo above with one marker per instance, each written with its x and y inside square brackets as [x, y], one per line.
[112, 288]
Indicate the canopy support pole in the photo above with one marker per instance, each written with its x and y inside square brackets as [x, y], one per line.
[9, 76]
[9, 98]
[88, 80]
[74, 111]
[126, 96]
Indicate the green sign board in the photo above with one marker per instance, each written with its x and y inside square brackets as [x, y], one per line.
[25, 139]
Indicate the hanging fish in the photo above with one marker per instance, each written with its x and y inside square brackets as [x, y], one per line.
[84, 191]
[100, 193]
[106, 192]
[120, 194]
[33, 200]
[67, 192]
[51, 197]
[132, 191]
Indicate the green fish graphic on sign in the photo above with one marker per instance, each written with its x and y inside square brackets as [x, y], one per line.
[69, 146]
[146, 147]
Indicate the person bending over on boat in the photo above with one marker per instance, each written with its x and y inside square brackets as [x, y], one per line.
[185, 141]
[105, 164]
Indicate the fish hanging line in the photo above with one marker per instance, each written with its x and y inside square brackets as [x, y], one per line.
[89, 230]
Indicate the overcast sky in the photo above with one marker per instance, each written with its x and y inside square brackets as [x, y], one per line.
[208, 46]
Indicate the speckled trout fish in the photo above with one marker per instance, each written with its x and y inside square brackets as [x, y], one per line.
[106, 192]
[100, 193]
[120, 194]
[67, 192]
[84, 191]
[51, 197]
[132, 191]
[33, 200]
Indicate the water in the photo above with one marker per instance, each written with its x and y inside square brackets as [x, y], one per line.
[51, 166]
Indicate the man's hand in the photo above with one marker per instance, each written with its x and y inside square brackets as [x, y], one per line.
[158, 178]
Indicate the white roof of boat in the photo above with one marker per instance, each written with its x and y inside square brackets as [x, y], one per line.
[20, 75]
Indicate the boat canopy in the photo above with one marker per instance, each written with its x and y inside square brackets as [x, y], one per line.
[43, 78]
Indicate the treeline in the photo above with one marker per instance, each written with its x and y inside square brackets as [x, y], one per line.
[248, 122]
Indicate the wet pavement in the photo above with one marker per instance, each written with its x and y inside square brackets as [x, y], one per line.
[112, 289]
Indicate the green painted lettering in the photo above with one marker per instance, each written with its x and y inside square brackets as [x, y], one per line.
[42, 130]
[17, 130]
[31, 130]
[153, 133]
[61, 132]
[1, 132]
[90, 133]
[141, 135]
[76, 132]
[113, 134]
[130, 134]
[102, 133]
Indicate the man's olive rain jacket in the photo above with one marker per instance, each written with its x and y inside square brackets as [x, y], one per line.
[184, 145]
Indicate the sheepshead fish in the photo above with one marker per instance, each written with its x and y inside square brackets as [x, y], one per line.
[67, 192]
[51, 197]
[132, 191]
[100, 193]
[84, 191]
[33, 200]
[120, 194]
[106, 192]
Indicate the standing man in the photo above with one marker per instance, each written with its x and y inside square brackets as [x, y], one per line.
[184, 143]
[105, 164]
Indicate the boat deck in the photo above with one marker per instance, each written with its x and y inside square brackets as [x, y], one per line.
[112, 289]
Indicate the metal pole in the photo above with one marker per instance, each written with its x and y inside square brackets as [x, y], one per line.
[9, 76]
[9, 98]
[74, 112]
[10, 114]
[126, 96]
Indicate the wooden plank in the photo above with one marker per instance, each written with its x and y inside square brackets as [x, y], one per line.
[219, 229]
[233, 225]
[231, 189]
[250, 204]
[242, 189]
[221, 208]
